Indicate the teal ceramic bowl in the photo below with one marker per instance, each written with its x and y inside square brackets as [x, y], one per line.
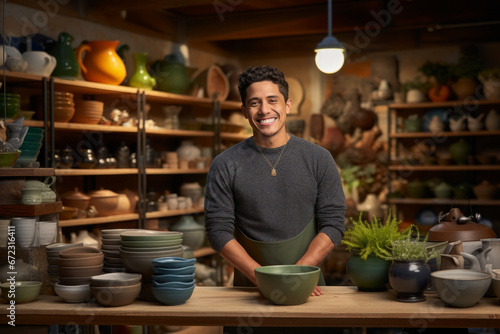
[173, 284]
[460, 287]
[173, 262]
[8, 159]
[287, 284]
[32, 131]
[188, 270]
[172, 296]
[163, 278]
[34, 146]
[21, 291]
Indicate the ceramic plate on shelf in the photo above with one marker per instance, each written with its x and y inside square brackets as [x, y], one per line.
[150, 235]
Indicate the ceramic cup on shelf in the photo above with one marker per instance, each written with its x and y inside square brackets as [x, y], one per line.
[24, 228]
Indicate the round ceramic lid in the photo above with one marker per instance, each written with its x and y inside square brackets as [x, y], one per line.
[451, 231]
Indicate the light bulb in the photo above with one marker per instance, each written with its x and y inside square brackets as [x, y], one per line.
[329, 60]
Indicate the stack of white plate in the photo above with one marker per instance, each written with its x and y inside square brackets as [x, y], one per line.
[110, 247]
[52, 251]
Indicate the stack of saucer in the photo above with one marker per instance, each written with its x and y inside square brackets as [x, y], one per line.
[88, 112]
[110, 247]
[52, 251]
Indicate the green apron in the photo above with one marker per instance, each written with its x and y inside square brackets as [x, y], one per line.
[287, 251]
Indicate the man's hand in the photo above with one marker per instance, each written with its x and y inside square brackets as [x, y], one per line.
[317, 292]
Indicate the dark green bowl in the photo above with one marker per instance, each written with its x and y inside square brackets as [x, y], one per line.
[287, 284]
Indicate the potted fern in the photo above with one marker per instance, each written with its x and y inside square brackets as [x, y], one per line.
[369, 244]
[409, 272]
[439, 76]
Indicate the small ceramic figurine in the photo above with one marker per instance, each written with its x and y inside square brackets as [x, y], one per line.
[475, 123]
[458, 124]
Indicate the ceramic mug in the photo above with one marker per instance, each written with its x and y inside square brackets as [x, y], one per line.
[452, 261]
[39, 62]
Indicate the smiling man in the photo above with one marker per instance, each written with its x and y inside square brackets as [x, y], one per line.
[273, 198]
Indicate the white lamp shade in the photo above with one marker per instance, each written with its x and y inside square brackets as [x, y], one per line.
[329, 60]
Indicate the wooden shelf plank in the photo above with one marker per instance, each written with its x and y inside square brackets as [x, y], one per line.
[412, 135]
[173, 213]
[440, 201]
[167, 171]
[97, 171]
[127, 217]
[446, 104]
[436, 168]
[98, 220]
[30, 210]
[87, 87]
[178, 133]
[26, 172]
[205, 251]
[235, 136]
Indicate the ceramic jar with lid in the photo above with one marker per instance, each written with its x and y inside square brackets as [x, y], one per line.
[76, 199]
[192, 190]
[460, 151]
[105, 201]
[193, 233]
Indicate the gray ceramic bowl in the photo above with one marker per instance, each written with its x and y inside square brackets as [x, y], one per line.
[460, 287]
[287, 284]
[495, 285]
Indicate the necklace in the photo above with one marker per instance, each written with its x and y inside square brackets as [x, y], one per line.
[273, 170]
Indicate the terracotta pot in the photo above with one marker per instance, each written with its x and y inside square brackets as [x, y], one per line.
[485, 190]
[105, 201]
[464, 88]
[76, 199]
[132, 198]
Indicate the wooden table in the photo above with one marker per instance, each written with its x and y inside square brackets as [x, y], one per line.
[212, 306]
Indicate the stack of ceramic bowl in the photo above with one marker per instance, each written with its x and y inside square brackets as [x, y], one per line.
[110, 247]
[88, 112]
[30, 148]
[173, 280]
[140, 247]
[52, 251]
[115, 289]
[78, 264]
[11, 103]
[64, 106]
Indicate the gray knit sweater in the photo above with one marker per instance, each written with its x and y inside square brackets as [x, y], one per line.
[240, 190]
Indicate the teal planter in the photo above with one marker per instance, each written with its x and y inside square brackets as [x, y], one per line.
[369, 275]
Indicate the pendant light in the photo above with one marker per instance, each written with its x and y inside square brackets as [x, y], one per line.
[329, 52]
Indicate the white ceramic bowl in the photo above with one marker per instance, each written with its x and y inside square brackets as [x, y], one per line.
[460, 287]
[72, 293]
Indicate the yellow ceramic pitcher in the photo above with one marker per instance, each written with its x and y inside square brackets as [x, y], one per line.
[101, 63]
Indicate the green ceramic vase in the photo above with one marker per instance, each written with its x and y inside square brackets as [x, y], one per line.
[67, 65]
[460, 151]
[171, 76]
[369, 275]
[141, 77]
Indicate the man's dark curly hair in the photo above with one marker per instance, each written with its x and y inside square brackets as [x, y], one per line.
[258, 74]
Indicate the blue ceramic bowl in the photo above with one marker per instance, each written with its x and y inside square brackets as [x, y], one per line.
[188, 270]
[173, 284]
[172, 278]
[173, 262]
[172, 296]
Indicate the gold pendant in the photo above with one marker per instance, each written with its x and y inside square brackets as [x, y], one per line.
[273, 172]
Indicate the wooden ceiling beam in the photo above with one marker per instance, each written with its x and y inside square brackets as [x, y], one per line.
[129, 5]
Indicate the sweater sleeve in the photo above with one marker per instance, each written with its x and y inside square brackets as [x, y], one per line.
[219, 205]
[330, 204]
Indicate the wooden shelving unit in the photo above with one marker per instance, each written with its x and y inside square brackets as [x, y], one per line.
[21, 210]
[14, 172]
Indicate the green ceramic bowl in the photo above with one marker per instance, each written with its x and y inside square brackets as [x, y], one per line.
[287, 284]
[21, 291]
[8, 159]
